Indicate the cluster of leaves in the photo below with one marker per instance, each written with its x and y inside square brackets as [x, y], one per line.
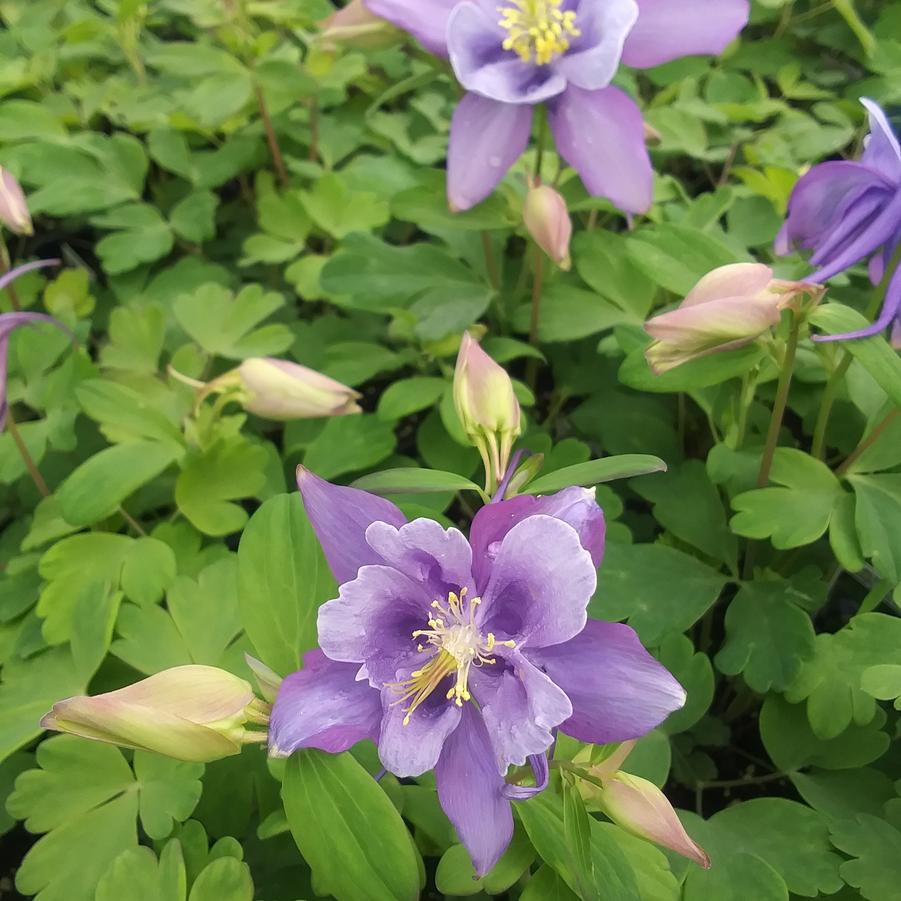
[225, 185]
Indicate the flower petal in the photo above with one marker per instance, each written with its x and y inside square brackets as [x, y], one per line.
[427, 22]
[735, 280]
[540, 585]
[669, 29]
[520, 706]
[486, 139]
[594, 58]
[542, 771]
[882, 152]
[601, 135]
[322, 706]
[617, 689]
[340, 517]
[439, 559]
[888, 316]
[472, 793]
[576, 506]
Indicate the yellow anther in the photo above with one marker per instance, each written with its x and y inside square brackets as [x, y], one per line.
[539, 31]
[491, 642]
[508, 644]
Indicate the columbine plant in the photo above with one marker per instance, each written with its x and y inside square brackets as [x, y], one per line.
[514, 55]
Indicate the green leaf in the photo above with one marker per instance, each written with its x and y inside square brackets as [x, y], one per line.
[457, 876]
[877, 515]
[136, 337]
[694, 375]
[602, 262]
[546, 885]
[569, 313]
[793, 515]
[142, 236]
[169, 791]
[767, 637]
[349, 444]
[426, 206]
[577, 833]
[338, 210]
[883, 682]
[225, 879]
[414, 481]
[659, 590]
[839, 794]
[280, 559]
[407, 396]
[194, 218]
[347, 829]
[594, 472]
[876, 848]
[694, 673]
[136, 875]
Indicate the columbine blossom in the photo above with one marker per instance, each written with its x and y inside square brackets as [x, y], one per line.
[466, 656]
[850, 210]
[511, 55]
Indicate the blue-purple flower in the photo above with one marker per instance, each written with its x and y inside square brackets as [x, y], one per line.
[513, 54]
[466, 656]
[850, 210]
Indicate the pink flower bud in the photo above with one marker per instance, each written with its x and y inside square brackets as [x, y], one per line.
[547, 221]
[13, 208]
[730, 307]
[194, 713]
[639, 807]
[487, 406]
[356, 26]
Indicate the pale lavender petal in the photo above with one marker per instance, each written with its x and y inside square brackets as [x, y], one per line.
[437, 558]
[576, 506]
[472, 793]
[542, 772]
[594, 58]
[474, 42]
[617, 689]
[9, 277]
[521, 706]
[321, 706]
[340, 518]
[426, 21]
[372, 621]
[486, 139]
[541, 582]
[413, 749]
[601, 135]
[882, 150]
[888, 316]
[669, 29]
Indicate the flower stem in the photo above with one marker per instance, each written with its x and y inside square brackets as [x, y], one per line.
[542, 140]
[494, 275]
[867, 442]
[534, 319]
[875, 596]
[138, 528]
[25, 454]
[6, 263]
[271, 137]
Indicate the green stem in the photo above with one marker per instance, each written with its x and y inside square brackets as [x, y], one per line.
[494, 275]
[535, 318]
[24, 453]
[271, 137]
[746, 398]
[867, 442]
[6, 263]
[875, 596]
[542, 139]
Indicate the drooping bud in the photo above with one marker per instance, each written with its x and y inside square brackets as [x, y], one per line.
[355, 26]
[546, 218]
[487, 407]
[13, 208]
[730, 307]
[193, 713]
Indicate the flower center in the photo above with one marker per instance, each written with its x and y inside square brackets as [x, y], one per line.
[538, 31]
[456, 645]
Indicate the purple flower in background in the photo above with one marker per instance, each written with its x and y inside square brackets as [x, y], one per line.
[513, 54]
[465, 656]
[9, 322]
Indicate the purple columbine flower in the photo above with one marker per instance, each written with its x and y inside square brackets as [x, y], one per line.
[9, 322]
[513, 54]
[466, 656]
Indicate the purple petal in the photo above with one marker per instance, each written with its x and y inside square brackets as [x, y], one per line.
[594, 58]
[882, 150]
[601, 135]
[617, 689]
[541, 582]
[427, 22]
[372, 621]
[413, 749]
[340, 518]
[9, 277]
[439, 559]
[474, 42]
[575, 506]
[542, 771]
[472, 793]
[322, 706]
[486, 139]
[520, 706]
[669, 29]
[888, 316]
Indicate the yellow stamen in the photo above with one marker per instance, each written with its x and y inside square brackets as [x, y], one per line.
[539, 31]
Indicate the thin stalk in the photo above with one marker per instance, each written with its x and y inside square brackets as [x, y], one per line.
[542, 139]
[875, 596]
[6, 263]
[738, 783]
[535, 318]
[138, 528]
[25, 454]
[271, 137]
[867, 442]
[313, 152]
[494, 275]
[746, 398]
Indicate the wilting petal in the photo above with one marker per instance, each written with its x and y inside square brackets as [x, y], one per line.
[520, 706]
[669, 29]
[412, 749]
[882, 150]
[887, 317]
[735, 280]
[427, 22]
[601, 135]
[575, 506]
[437, 558]
[594, 57]
[321, 706]
[340, 517]
[542, 772]
[617, 689]
[540, 585]
[486, 139]
[472, 793]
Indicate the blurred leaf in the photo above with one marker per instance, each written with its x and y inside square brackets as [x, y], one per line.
[595, 472]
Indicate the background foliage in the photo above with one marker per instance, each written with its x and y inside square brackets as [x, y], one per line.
[138, 131]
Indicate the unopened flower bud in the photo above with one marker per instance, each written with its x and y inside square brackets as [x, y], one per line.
[355, 26]
[13, 208]
[547, 220]
[267, 679]
[193, 713]
[487, 407]
[730, 307]
[651, 135]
